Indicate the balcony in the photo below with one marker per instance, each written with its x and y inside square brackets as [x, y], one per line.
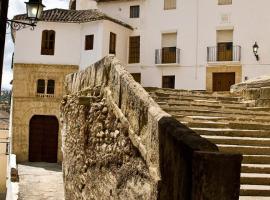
[167, 55]
[224, 53]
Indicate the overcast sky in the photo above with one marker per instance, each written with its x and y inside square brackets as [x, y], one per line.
[18, 7]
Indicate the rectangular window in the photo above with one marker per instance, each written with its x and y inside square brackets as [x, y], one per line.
[134, 49]
[112, 47]
[137, 77]
[224, 2]
[169, 41]
[134, 11]
[169, 4]
[48, 42]
[41, 86]
[168, 82]
[89, 42]
[50, 87]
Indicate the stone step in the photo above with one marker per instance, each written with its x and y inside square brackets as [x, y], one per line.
[198, 109]
[228, 118]
[256, 159]
[195, 95]
[253, 198]
[246, 141]
[190, 98]
[255, 190]
[232, 125]
[255, 168]
[219, 113]
[198, 106]
[233, 132]
[255, 179]
[246, 150]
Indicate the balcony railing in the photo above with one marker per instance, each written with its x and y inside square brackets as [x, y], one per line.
[167, 55]
[45, 95]
[224, 53]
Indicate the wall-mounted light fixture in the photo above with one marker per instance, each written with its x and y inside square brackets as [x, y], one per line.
[34, 10]
[255, 51]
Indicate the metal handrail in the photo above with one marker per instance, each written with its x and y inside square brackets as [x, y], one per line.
[221, 54]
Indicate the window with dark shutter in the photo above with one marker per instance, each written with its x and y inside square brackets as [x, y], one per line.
[48, 42]
[168, 82]
[41, 86]
[134, 11]
[134, 49]
[112, 47]
[89, 42]
[50, 87]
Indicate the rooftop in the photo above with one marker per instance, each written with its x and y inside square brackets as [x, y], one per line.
[73, 16]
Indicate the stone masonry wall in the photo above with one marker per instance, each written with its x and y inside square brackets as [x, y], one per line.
[116, 141]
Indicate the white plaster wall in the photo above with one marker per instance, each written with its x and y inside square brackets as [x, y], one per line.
[122, 38]
[121, 10]
[67, 44]
[86, 4]
[88, 57]
[154, 21]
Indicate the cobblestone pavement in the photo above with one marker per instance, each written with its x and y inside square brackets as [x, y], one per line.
[40, 181]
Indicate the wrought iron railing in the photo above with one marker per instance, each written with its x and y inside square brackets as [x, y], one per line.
[224, 53]
[167, 55]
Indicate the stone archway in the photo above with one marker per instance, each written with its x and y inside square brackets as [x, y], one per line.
[43, 138]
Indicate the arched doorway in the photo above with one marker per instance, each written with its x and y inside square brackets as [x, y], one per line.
[43, 139]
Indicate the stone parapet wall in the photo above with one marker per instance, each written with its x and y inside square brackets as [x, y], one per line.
[116, 141]
[256, 90]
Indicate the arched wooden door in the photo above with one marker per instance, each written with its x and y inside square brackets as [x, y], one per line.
[43, 139]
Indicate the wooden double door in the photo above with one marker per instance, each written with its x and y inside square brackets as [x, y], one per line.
[223, 81]
[43, 139]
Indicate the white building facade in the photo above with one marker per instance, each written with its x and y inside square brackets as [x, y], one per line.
[183, 44]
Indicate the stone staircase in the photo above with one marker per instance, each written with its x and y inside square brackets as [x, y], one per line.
[233, 125]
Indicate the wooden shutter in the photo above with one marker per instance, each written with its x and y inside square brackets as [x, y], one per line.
[50, 87]
[41, 86]
[48, 42]
[169, 4]
[168, 82]
[112, 47]
[89, 42]
[134, 11]
[134, 49]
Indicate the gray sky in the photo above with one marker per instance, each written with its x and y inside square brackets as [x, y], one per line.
[18, 7]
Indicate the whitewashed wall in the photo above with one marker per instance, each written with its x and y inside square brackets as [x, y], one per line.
[88, 57]
[67, 44]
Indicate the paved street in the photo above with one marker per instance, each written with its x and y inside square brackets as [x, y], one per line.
[40, 181]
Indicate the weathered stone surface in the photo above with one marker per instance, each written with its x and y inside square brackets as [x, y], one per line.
[26, 102]
[257, 89]
[115, 148]
[100, 160]
[262, 81]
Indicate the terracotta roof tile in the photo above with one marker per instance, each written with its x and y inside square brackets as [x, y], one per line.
[73, 16]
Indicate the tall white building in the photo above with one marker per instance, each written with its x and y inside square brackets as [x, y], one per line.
[185, 44]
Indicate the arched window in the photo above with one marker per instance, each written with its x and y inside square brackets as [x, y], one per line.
[50, 87]
[48, 42]
[41, 86]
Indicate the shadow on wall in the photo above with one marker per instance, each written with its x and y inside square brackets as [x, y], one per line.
[113, 129]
